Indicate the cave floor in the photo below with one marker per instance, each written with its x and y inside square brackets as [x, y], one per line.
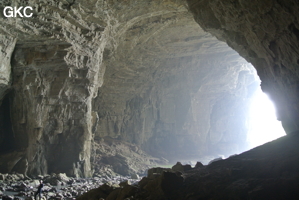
[270, 171]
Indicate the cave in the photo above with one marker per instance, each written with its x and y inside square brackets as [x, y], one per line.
[104, 85]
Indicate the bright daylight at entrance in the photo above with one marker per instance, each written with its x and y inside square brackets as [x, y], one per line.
[264, 126]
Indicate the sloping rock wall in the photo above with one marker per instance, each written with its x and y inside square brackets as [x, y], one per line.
[266, 34]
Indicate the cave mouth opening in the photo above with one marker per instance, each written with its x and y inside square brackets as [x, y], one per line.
[263, 125]
[7, 139]
[256, 125]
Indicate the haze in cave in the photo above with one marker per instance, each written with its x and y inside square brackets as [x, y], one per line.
[146, 99]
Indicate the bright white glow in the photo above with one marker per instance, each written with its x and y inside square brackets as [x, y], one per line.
[264, 126]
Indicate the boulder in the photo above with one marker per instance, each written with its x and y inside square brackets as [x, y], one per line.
[57, 179]
[62, 177]
[181, 168]
[2, 177]
[151, 173]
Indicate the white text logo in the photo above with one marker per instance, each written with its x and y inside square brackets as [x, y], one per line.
[14, 11]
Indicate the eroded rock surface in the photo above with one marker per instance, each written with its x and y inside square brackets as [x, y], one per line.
[7, 45]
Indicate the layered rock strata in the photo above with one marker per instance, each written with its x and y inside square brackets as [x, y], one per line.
[57, 65]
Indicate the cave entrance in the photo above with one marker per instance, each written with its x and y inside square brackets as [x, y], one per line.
[177, 92]
[242, 120]
[264, 126]
[6, 132]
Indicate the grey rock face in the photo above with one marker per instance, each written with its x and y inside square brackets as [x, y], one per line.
[7, 45]
[57, 67]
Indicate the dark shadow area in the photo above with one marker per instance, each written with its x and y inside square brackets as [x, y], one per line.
[6, 132]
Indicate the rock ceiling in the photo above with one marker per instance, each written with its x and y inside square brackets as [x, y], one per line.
[266, 34]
